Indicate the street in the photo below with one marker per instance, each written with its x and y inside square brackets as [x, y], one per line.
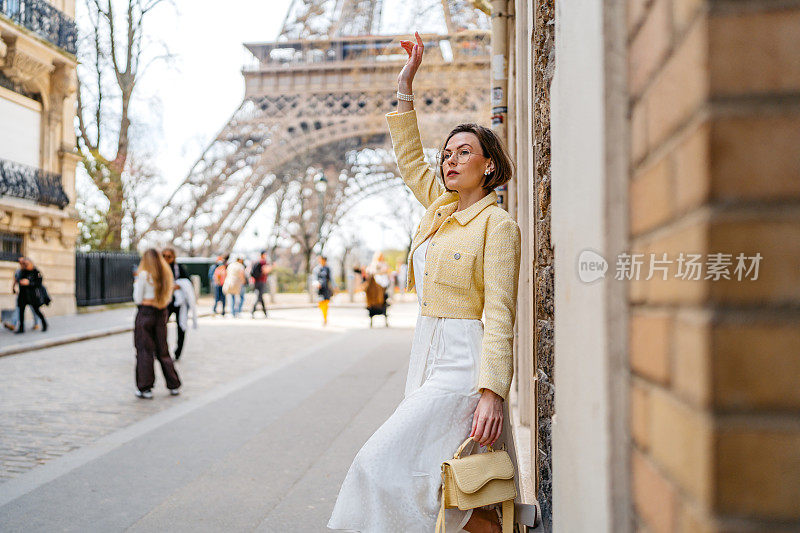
[271, 414]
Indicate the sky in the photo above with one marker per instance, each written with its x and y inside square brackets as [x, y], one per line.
[184, 103]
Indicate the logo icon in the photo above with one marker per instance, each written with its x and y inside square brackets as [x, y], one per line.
[591, 266]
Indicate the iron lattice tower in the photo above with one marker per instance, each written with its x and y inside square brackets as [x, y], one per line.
[316, 95]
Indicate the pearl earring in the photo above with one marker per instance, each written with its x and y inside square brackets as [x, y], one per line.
[487, 172]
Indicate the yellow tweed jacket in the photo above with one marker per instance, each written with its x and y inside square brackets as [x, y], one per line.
[472, 263]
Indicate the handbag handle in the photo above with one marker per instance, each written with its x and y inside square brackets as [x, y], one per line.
[464, 445]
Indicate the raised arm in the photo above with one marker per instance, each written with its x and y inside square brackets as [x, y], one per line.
[406, 77]
[404, 130]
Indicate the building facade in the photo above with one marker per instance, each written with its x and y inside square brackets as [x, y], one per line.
[652, 136]
[38, 42]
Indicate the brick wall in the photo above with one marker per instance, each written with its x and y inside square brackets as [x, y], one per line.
[714, 89]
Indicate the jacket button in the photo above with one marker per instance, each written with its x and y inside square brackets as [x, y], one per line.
[457, 256]
[433, 244]
[438, 214]
[424, 303]
[426, 273]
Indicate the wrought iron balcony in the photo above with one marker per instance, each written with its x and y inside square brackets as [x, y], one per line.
[22, 181]
[44, 20]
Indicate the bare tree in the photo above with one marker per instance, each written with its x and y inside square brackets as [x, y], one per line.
[112, 52]
[311, 213]
[351, 240]
[138, 179]
[404, 214]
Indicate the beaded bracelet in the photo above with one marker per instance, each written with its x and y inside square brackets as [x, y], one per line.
[406, 97]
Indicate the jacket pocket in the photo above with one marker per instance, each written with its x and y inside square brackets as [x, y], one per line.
[455, 269]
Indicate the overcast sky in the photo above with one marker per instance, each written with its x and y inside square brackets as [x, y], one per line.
[183, 104]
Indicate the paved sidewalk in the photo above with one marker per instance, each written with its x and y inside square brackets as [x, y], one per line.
[265, 452]
[91, 324]
[271, 416]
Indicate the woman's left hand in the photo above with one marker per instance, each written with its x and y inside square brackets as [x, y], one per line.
[487, 423]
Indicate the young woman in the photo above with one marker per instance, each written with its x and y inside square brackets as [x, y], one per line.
[152, 292]
[464, 263]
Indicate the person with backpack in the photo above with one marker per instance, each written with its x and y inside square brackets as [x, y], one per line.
[220, 273]
[260, 271]
[216, 288]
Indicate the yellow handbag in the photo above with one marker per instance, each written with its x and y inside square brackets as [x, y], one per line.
[477, 480]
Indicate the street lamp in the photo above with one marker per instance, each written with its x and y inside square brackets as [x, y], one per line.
[321, 186]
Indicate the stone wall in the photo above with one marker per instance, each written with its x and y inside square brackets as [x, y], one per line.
[544, 63]
[715, 405]
[49, 233]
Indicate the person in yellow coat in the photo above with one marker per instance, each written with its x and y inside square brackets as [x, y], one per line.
[464, 263]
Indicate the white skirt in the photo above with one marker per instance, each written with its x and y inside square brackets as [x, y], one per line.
[394, 482]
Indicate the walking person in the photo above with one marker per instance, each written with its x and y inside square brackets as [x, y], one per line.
[152, 292]
[260, 271]
[464, 263]
[380, 271]
[215, 285]
[11, 320]
[28, 280]
[234, 285]
[174, 308]
[323, 280]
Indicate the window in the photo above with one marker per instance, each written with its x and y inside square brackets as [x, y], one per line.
[10, 246]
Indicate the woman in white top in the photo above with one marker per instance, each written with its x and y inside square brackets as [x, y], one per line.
[152, 291]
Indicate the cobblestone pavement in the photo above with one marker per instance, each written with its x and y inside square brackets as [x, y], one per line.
[58, 399]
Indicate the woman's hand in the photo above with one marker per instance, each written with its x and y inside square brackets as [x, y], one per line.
[414, 51]
[487, 423]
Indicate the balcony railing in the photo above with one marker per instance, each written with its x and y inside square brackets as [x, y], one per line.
[22, 181]
[44, 20]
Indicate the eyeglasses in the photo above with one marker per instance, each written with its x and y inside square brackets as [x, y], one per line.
[462, 156]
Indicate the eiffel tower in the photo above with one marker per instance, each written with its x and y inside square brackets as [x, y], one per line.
[316, 96]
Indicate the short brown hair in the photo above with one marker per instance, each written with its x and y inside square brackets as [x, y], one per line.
[492, 147]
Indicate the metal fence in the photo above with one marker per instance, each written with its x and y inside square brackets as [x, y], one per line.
[104, 277]
[22, 181]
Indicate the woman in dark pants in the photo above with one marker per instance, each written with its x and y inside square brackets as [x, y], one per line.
[152, 292]
[30, 280]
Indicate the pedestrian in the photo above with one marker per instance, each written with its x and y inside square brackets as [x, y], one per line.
[379, 270]
[152, 292]
[323, 280]
[28, 280]
[375, 295]
[464, 262]
[260, 271]
[220, 273]
[216, 288]
[174, 308]
[11, 319]
[234, 285]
